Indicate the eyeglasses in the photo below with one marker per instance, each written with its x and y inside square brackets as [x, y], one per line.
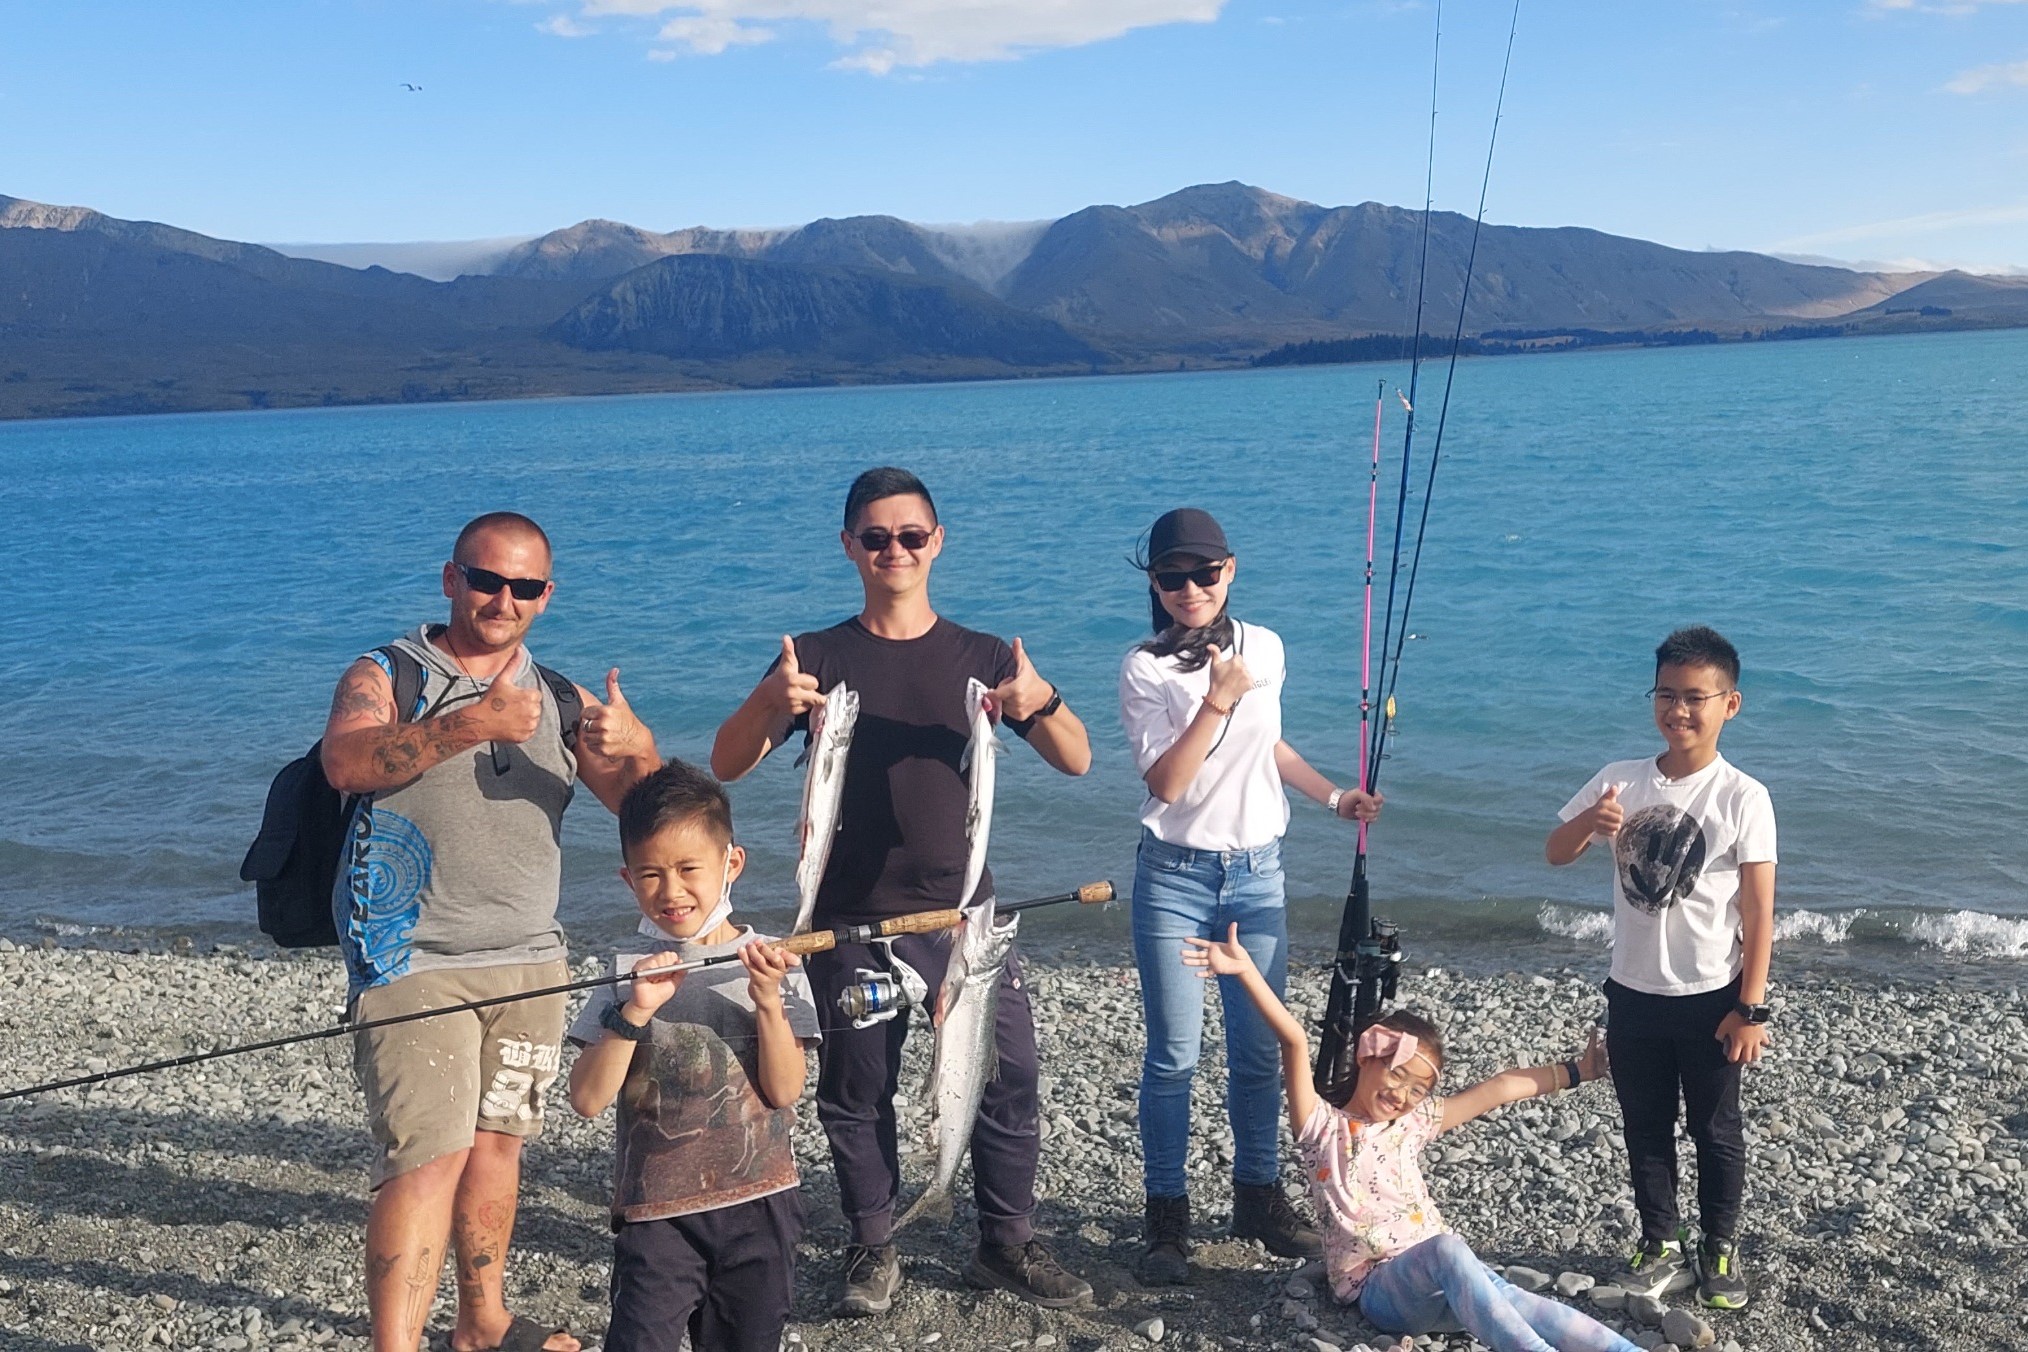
[875, 539]
[1173, 581]
[489, 583]
[1667, 699]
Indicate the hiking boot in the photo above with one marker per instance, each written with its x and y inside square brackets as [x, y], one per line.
[872, 1276]
[1719, 1283]
[1029, 1272]
[1657, 1268]
[1264, 1212]
[1167, 1230]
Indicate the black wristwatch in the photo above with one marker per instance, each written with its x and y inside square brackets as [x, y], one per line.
[613, 1021]
[1760, 1013]
[1055, 703]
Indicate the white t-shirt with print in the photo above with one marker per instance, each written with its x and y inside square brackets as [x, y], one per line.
[1236, 801]
[1676, 867]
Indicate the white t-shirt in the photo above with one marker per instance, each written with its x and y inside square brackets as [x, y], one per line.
[1676, 867]
[1236, 801]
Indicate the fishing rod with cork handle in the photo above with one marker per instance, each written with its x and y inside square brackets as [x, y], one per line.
[814, 941]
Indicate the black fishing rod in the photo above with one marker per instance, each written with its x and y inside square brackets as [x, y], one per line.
[813, 941]
[1367, 968]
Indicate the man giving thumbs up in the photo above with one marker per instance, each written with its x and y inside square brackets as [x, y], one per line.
[447, 893]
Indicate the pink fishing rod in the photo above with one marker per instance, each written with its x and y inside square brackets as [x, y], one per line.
[1366, 628]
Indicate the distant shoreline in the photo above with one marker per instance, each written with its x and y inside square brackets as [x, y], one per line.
[1368, 349]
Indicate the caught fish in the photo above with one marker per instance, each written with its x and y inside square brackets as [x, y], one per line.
[966, 1056]
[823, 793]
[983, 749]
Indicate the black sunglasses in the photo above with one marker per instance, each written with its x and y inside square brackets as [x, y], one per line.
[874, 539]
[489, 583]
[1173, 581]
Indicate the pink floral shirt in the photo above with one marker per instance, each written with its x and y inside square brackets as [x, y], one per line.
[1366, 1182]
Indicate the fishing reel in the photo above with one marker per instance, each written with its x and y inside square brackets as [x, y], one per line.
[876, 996]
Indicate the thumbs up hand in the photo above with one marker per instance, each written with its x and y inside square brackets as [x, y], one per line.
[1607, 814]
[508, 712]
[611, 729]
[1023, 694]
[792, 690]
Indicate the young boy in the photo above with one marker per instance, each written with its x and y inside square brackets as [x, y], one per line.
[707, 1065]
[1693, 844]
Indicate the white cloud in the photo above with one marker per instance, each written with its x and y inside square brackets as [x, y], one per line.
[563, 26]
[1877, 7]
[1999, 75]
[881, 36]
[1926, 224]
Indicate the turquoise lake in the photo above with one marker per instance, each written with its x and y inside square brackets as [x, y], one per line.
[1852, 513]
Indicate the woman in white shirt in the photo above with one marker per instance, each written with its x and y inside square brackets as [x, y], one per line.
[1201, 703]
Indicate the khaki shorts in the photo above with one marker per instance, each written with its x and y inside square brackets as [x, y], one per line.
[432, 1083]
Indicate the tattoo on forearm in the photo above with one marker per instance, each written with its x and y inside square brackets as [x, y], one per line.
[405, 750]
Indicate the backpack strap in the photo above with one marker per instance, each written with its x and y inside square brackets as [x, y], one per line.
[407, 675]
[569, 703]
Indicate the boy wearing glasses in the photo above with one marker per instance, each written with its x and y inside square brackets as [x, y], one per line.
[1693, 843]
[446, 892]
[901, 848]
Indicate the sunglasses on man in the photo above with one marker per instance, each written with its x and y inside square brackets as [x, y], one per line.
[875, 539]
[488, 583]
[1174, 580]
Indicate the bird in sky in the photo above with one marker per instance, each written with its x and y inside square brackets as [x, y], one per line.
[411, 88]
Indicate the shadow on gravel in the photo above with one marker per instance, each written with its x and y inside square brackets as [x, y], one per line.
[18, 1341]
[108, 1128]
[139, 1285]
[85, 1185]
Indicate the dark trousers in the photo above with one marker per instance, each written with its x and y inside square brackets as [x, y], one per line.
[1664, 1052]
[725, 1277]
[859, 1069]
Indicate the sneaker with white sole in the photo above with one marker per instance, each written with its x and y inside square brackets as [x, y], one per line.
[1657, 1268]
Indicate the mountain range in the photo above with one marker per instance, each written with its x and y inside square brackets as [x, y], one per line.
[102, 315]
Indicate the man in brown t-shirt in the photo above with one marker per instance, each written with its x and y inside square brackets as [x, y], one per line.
[901, 848]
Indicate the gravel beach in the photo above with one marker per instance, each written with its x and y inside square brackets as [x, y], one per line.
[220, 1206]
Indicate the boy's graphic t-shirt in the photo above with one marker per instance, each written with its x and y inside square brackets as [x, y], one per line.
[1676, 868]
[693, 1134]
[1366, 1182]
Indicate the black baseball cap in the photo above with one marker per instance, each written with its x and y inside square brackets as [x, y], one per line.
[1186, 530]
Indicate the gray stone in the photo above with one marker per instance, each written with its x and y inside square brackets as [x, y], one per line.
[1570, 1284]
[1686, 1330]
[1608, 1297]
[1527, 1278]
[1646, 1309]
[1151, 1329]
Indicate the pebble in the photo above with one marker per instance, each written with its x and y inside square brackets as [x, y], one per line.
[1686, 1330]
[1572, 1284]
[1527, 1278]
[1151, 1329]
[1608, 1297]
[1646, 1309]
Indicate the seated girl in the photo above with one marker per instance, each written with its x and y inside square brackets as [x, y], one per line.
[1385, 1246]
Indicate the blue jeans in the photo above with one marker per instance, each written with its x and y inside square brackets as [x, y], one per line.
[1179, 892]
[1409, 1293]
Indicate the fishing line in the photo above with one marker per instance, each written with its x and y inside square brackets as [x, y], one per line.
[1099, 893]
[1391, 678]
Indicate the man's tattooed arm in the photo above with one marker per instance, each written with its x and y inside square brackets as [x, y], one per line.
[366, 750]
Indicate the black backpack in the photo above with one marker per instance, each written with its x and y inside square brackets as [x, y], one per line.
[293, 862]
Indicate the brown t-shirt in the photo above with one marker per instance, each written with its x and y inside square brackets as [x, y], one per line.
[901, 844]
[694, 1134]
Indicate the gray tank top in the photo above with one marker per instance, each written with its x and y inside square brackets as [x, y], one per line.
[460, 867]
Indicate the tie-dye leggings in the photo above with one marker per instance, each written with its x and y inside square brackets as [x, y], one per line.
[1408, 1293]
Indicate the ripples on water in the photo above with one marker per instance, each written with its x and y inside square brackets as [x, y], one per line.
[1851, 513]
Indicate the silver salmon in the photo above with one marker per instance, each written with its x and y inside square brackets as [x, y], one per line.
[980, 753]
[823, 793]
[966, 1057]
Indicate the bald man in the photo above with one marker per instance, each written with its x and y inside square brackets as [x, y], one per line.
[447, 893]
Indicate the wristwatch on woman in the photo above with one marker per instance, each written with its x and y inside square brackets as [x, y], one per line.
[1331, 803]
[1760, 1013]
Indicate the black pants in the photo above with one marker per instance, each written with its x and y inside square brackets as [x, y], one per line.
[725, 1276]
[1664, 1050]
[859, 1069]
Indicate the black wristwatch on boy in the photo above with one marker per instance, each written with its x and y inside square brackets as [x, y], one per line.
[613, 1021]
[1759, 1013]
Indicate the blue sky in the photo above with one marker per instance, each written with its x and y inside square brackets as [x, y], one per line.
[1860, 129]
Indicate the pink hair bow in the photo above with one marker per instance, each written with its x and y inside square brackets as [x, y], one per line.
[1390, 1045]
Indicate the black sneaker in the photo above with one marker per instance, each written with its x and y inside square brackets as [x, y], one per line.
[1719, 1283]
[1167, 1230]
[1657, 1268]
[872, 1276]
[1263, 1212]
[1029, 1272]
